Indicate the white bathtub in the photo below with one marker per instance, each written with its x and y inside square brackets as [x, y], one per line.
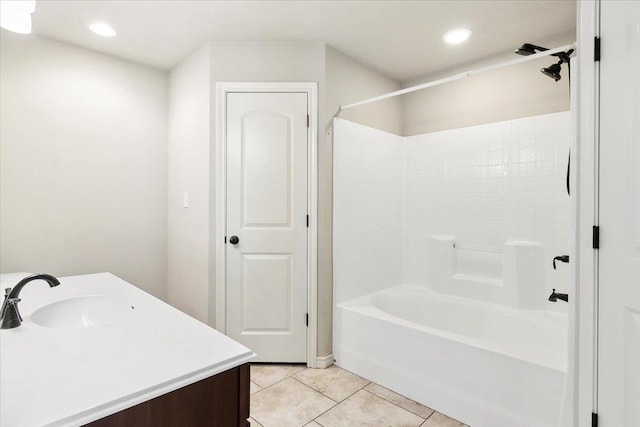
[484, 364]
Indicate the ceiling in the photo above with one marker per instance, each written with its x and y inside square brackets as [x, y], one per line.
[402, 39]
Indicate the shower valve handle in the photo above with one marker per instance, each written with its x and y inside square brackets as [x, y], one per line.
[561, 258]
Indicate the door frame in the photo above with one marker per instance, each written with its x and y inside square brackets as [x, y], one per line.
[311, 89]
[585, 269]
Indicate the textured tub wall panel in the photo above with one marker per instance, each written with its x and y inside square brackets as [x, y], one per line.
[482, 187]
[498, 192]
[486, 185]
[367, 205]
[347, 80]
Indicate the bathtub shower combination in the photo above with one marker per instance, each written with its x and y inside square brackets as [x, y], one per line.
[443, 249]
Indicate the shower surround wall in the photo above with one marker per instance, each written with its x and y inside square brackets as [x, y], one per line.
[367, 253]
[499, 192]
[443, 246]
[496, 191]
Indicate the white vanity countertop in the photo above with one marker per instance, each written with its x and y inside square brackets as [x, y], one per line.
[72, 376]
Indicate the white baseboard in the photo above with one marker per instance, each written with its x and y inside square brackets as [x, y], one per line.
[323, 362]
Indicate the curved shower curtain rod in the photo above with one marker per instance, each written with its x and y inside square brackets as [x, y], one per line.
[458, 76]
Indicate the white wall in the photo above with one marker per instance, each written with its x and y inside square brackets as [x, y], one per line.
[512, 92]
[117, 109]
[189, 152]
[264, 62]
[261, 62]
[350, 81]
[83, 163]
[367, 196]
[192, 133]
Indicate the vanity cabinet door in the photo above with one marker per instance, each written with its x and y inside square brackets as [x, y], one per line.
[218, 401]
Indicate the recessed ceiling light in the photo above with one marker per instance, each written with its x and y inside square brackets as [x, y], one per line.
[456, 36]
[102, 29]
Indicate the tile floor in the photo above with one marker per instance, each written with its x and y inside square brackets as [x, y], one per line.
[294, 396]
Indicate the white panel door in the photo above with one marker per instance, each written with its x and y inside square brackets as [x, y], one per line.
[619, 281]
[267, 214]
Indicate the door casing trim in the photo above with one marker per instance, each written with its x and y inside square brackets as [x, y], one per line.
[585, 267]
[220, 285]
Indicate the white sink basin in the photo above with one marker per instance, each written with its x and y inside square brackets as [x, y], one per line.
[83, 312]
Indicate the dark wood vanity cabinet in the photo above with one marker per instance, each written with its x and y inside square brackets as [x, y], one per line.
[218, 401]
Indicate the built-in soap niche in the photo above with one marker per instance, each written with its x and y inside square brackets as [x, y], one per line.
[512, 274]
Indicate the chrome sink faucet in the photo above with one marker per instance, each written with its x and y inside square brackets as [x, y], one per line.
[9, 314]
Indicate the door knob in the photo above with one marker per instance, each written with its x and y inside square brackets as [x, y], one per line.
[234, 240]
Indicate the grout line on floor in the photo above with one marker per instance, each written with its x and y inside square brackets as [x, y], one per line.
[361, 388]
[408, 410]
[404, 409]
[264, 388]
[444, 415]
[338, 403]
[317, 391]
[319, 415]
[314, 390]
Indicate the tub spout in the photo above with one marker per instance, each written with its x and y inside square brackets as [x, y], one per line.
[554, 297]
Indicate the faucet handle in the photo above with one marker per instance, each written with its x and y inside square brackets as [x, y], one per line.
[10, 316]
[7, 291]
[561, 258]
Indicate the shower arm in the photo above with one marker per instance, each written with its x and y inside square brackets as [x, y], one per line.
[458, 76]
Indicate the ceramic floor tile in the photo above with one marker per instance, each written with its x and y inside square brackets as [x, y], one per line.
[439, 420]
[365, 409]
[254, 388]
[400, 400]
[288, 403]
[254, 423]
[313, 424]
[334, 382]
[266, 375]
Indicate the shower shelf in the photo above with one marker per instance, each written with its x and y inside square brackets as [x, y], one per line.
[491, 281]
